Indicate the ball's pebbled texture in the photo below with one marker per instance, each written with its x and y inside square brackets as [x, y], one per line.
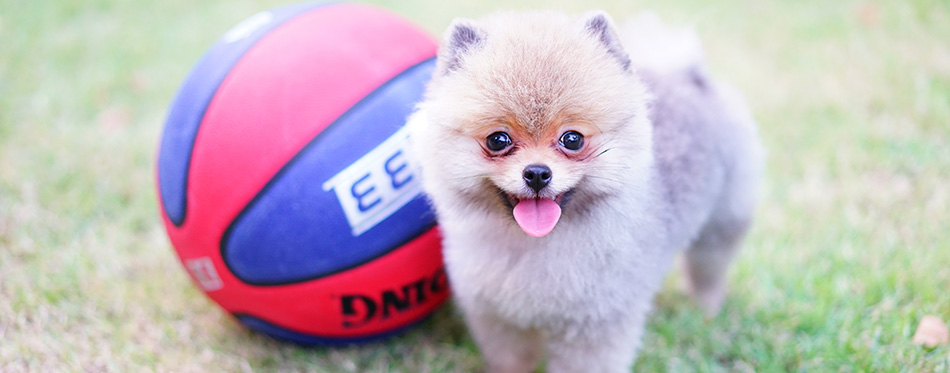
[282, 178]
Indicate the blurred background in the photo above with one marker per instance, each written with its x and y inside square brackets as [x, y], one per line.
[851, 247]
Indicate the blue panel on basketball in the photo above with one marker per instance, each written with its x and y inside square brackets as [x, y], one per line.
[286, 234]
[284, 334]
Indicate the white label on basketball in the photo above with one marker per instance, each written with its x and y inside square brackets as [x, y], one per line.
[202, 269]
[248, 26]
[378, 184]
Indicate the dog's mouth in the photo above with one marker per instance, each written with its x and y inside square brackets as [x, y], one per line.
[536, 215]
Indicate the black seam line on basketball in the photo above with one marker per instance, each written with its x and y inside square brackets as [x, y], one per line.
[339, 341]
[217, 85]
[283, 169]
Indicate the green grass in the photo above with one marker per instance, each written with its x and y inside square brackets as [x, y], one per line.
[850, 249]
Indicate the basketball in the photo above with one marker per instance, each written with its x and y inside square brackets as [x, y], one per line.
[283, 181]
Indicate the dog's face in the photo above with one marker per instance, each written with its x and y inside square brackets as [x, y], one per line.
[530, 119]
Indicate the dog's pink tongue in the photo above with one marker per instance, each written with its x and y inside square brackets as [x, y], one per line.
[537, 216]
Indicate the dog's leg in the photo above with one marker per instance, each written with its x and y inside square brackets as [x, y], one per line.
[608, 348]
[506, 349]
[706, 263]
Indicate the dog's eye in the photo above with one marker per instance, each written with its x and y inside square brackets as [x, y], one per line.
[572, 140]
[498, 141]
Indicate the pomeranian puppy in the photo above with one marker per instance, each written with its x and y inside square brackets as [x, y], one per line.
[566, 173]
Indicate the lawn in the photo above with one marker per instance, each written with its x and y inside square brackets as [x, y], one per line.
[850, 249]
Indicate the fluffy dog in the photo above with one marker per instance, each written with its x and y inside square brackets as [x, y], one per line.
[566, 173]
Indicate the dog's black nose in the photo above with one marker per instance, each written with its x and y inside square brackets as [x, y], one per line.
[537, 176]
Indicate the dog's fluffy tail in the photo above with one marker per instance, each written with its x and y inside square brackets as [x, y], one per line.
[659, 48]
[661, 52]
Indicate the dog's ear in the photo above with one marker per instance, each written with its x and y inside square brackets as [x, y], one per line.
[601, 27]
[461, 38]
